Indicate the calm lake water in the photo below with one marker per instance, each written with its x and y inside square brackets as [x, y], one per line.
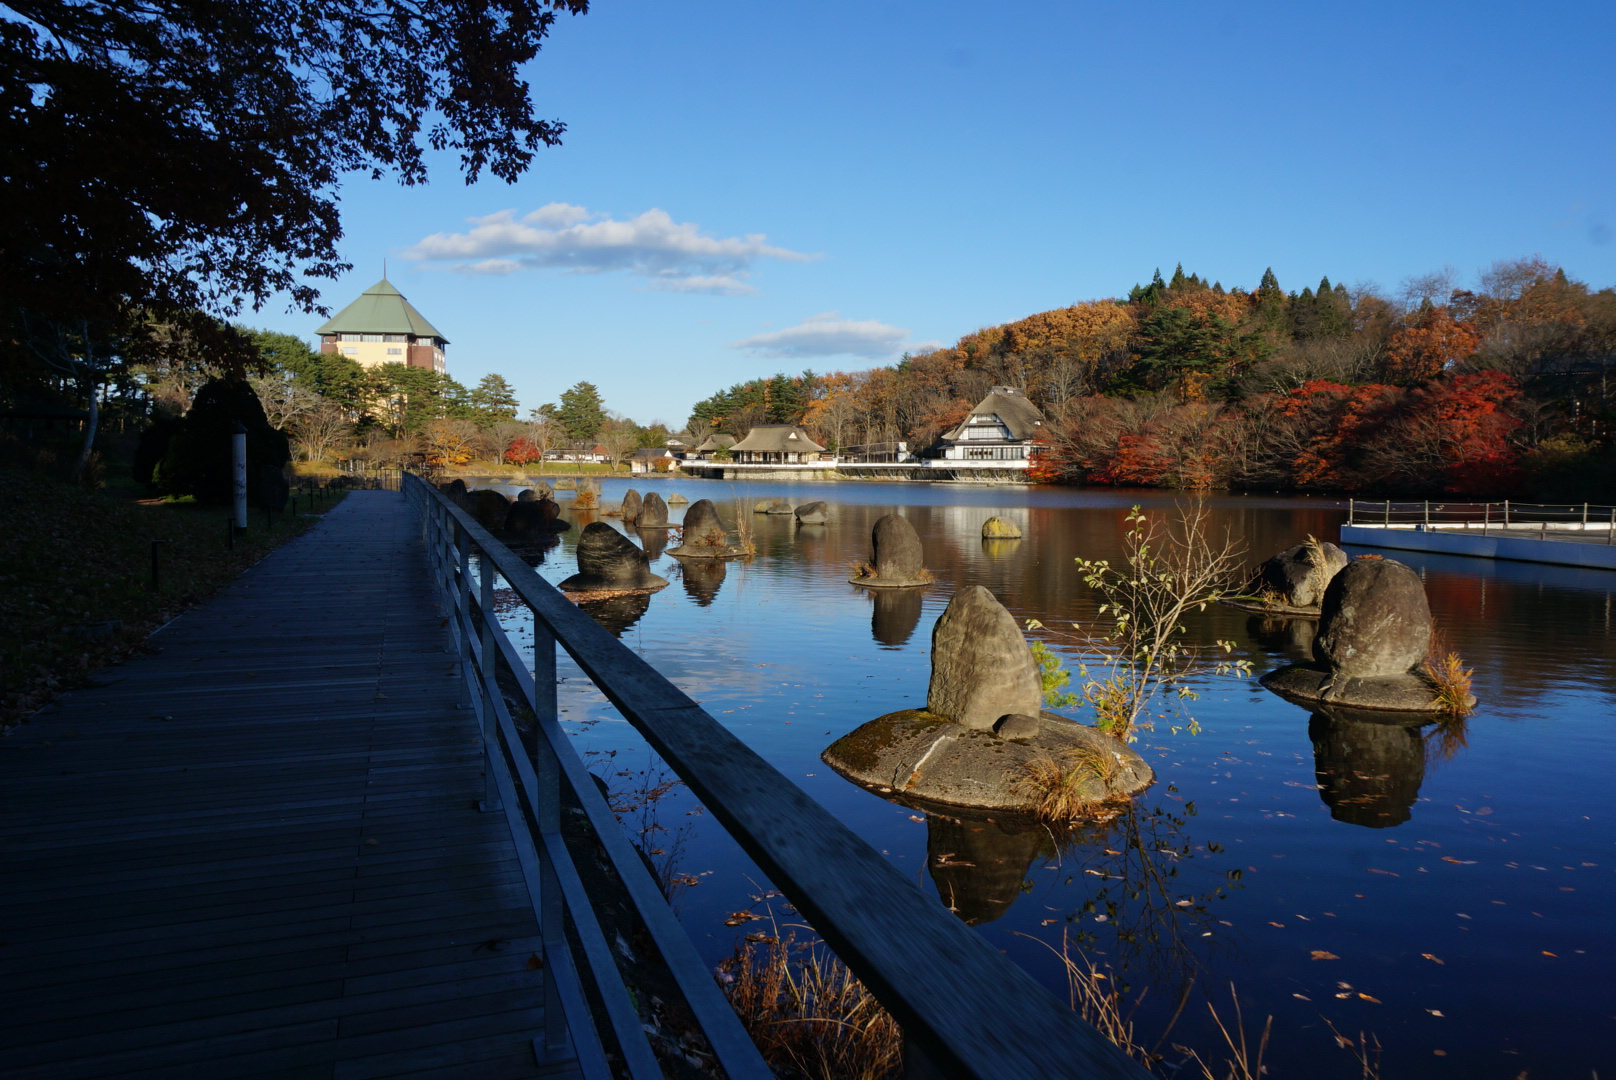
[1448, 891]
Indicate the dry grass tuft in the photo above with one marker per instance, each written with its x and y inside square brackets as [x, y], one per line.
[807, 1013]
[1449, 678]
[1060, 787]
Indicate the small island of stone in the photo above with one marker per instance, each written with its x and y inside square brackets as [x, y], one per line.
[705, 536]
[897, 561]
[609, 565]
[983, 726]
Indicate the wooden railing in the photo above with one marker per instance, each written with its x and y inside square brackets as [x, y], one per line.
[1547, 521]
[966, 1010]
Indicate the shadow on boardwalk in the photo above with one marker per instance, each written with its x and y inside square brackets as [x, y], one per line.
[257, 852]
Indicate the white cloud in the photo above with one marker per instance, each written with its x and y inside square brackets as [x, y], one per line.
[831, 335]
[676, 255]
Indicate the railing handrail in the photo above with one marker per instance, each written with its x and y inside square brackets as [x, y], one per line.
[965, 1009]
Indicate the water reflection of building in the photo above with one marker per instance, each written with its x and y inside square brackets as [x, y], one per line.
[896, 614]
[1369, 766]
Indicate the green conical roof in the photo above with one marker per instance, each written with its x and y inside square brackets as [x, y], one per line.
[381, 309]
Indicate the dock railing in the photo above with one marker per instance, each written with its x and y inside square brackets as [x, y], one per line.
[965, 1009]
[1582, 522]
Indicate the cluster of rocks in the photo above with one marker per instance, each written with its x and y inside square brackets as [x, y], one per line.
[1374, 636]
[532, 515]
[982, 726]
[897, 560]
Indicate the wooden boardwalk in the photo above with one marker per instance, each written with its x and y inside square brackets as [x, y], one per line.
[256, 853]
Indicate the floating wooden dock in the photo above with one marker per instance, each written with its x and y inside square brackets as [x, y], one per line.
[257, 851]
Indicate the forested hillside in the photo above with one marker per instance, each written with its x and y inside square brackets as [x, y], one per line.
[1497, 390]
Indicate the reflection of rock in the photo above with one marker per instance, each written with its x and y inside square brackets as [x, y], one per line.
[979, 864]
[1000, 549]
[488, 507]
[653, 513]
[996, 528]
[702, 577]
[981, 667]
[533, 518]
[1287, 634]
[704, 535]
[631, 506]
[1369, 769]
[1374, 630]
[618, 611]
[813, 513]
[608, 561]
[897, 613]
[898, 560]
[653, 541]
[949, 752]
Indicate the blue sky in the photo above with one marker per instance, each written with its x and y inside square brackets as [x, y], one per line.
[753, 187]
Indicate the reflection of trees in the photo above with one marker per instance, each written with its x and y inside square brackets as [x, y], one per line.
[702, 577]
[1369, 765]
[896, 614]
[1148, 920]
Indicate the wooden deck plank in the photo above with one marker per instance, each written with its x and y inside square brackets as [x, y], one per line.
[256, 850]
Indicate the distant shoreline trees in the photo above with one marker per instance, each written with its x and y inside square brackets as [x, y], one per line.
[1186, 384]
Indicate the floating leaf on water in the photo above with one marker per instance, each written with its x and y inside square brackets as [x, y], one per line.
[1369, 997]
[1434, 1012]
[1324, 954]
[1431, 958]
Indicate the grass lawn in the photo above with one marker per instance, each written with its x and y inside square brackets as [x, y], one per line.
[76, 586]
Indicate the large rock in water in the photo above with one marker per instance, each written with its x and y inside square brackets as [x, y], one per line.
[653, 513]
[1298, 576]
[1374, 631]
[978, 753]
[488, 507]
[996, 528]
[704, 535]
[631, 506]
[897, 559]
[813, 513]
[981, 667]
[1374, 621]
[608, 561]
[534, 517]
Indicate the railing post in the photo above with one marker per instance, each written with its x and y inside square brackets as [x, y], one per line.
[1584, 517]
[547, 803]
[1427, 512]
[1486, 517]
[1388, 513]
[485, 676]
[1506, 515]
[462, 613]
[1349, 511]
